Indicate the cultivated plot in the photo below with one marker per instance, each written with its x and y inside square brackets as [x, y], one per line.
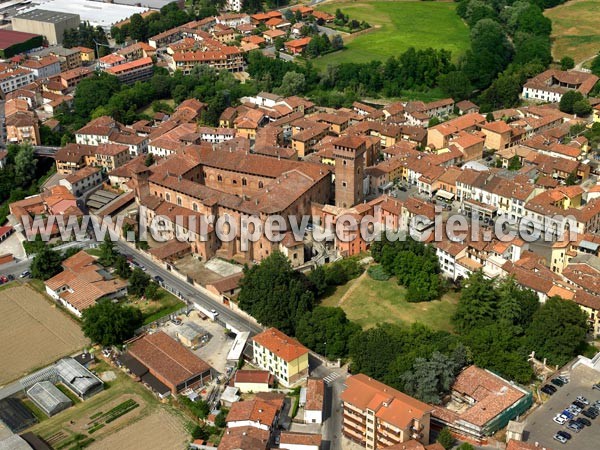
[34, 332]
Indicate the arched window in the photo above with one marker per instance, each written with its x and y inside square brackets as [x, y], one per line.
[219, 178]
[260, 185]
[179, 200]
[168, 197]
[195, 206]
[244, 182]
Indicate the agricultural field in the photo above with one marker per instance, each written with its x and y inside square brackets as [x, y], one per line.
[123, 411]
[396, 26]
[34, 332]
[368, 302]
[157, 431]
[575, 26]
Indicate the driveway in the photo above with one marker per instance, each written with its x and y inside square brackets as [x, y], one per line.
[539, 426]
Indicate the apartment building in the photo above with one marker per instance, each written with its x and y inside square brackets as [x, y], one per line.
[13, 79]
[133, 71]
[281, 355]
[83, 180]
[377, 416]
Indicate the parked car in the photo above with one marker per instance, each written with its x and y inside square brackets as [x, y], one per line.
[568, 414]
[560, 419]
[584, 421]
[579, 404]
[159, 279]
[590, 414]
[402, 188]
[563, 379]
[557, 382]
[583, 400]
[25, 274]
[549, 390]
[11, 277]
[560, 438]
[596, 386]
[575, 426]
[564, 434]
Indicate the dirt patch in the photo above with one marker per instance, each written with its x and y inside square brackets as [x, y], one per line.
[34, 332]
[159, 431]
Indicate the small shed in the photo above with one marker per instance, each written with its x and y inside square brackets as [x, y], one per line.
[48, 398]
[191, 334]
[230, 396]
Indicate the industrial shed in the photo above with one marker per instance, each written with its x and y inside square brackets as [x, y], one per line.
[48, 398]
[191, 334]
[15, 414]
[77, 378]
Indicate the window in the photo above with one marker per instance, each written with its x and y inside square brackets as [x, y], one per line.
[219, 178]
[168, 197]
[195, 206]
[260, 185]
[344, 184]
[179, 200]
[244, 182]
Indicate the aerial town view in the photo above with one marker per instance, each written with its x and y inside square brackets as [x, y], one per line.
[299, 224]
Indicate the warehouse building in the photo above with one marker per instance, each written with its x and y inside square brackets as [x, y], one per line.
[50, 24]
[14, 42]
[48, 398]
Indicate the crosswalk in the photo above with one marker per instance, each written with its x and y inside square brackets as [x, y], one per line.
[331, 377]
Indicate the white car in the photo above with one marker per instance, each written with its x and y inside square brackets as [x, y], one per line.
[559, 438]
[583, 400]
[560, 419]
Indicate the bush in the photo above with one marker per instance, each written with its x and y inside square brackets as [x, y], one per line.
[378, 273]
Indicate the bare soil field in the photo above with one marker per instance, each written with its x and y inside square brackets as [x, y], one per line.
[33, 332]
[160, 430]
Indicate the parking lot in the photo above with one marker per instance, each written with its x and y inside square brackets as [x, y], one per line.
[214, 352]
[539, 426]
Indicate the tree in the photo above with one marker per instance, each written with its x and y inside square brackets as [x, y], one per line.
[582, 108]
[275, 294]
[151, 292]
[489, 117]
[149, 160]
[595, 66]
[138, 282]
[455, 84]
[465, 446]
[477, 303]
[337, 43]
[429, 380]
[327, 331]
[122, 267]
[445, 438]
[220, 418]
[25, 165]
[568, 101]
[110, 323]
[557, 331]
[138, 28]
[434, 121]
[567, 63]
[293, 84]
[46, 263]
[319, 279]
[107, 251]
[572, 179]
[514, 163]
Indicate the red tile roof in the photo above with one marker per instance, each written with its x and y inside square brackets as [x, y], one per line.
[283, 346]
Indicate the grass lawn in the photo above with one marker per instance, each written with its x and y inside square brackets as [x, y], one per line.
[575, 26]
[155, 309]
[148, 109]
[369, 302]
[396, 27]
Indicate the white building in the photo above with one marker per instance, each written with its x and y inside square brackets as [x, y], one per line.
[313, 408]
[43, 67]
[83, 180]
[11, 80]
[299, 441]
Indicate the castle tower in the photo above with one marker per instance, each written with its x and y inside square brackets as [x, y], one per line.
[349, 153]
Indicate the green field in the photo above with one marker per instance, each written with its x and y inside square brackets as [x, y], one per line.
[369, 302]
[396, 27]
[575, 26]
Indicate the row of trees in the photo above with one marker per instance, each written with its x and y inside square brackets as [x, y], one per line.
[86, 35]
[502, 323]
[414, 264]
[276, 295]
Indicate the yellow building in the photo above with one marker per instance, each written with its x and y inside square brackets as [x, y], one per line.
[597, 113]
[281, 355]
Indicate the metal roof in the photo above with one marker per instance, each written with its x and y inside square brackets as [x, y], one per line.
[48, 397]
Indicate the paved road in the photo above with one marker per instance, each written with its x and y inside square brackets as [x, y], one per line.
[190, 293]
